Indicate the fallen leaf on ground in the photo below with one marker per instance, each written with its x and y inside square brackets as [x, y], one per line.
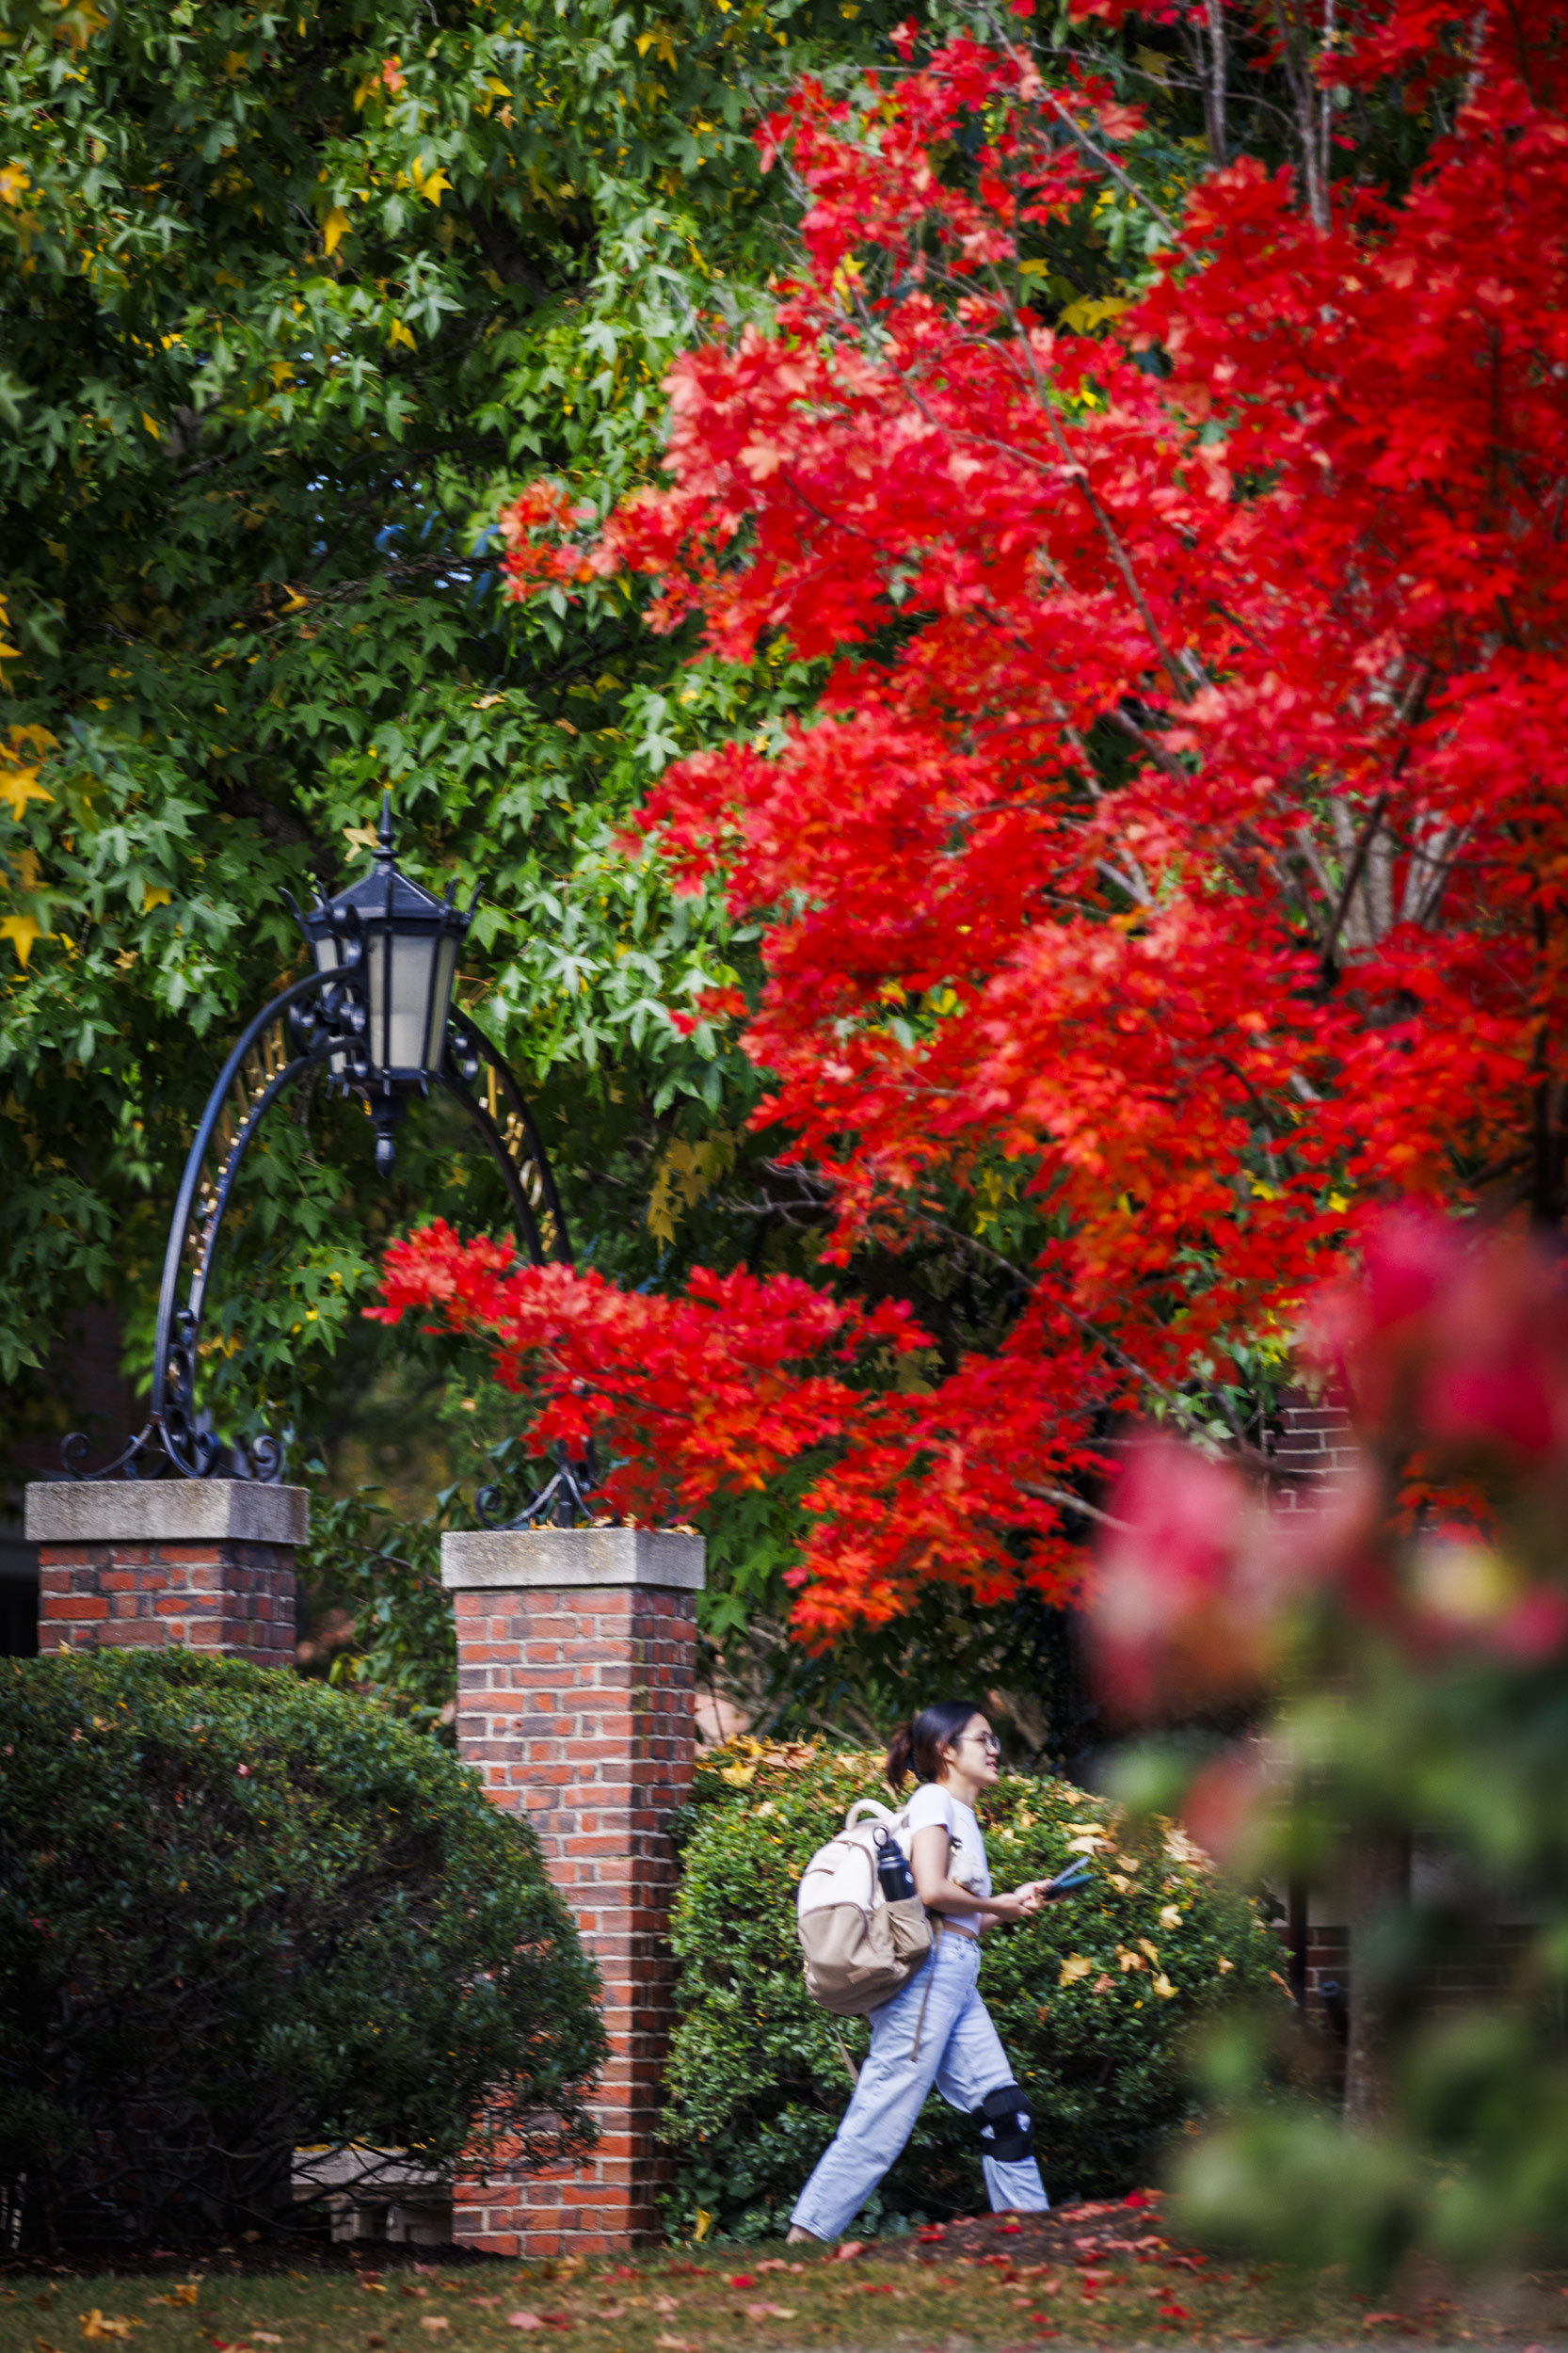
[850, 2248]
[668, 2304]
[742, 2279]
[770, 2312]
[675, 2344]
[774, 2262]
[427, 2320]
[524, 2320]
[264, 2336]
[98, 2324]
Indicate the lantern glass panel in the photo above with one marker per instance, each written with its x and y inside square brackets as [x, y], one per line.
[323, 947]
[446, 966]
[400, 967]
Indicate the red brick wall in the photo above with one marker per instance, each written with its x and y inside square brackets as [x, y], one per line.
[1315, 1446]
[576, 1705]
[236, 1598]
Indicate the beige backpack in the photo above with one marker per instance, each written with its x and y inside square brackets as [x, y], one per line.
[860, 1948]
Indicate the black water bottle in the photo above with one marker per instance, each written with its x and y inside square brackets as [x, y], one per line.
[894, 1876]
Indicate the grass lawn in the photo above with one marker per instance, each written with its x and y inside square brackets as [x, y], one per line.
[1065, 2281]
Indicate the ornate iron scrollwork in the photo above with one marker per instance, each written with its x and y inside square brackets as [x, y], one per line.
[314, 1032]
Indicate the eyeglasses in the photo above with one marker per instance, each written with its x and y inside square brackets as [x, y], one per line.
[987, 1740]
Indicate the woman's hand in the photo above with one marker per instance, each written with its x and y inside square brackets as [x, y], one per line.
[1021, 1905]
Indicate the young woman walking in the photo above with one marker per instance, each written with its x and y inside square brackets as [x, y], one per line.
[936, 2029]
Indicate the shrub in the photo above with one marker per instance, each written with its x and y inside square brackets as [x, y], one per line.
[1094, 1999]
[239, 1913]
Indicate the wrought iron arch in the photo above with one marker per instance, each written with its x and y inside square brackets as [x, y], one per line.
[312, 1032]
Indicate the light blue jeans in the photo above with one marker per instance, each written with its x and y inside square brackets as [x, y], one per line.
[960, 2052]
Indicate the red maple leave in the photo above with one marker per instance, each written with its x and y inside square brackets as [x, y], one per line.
[1179, 841]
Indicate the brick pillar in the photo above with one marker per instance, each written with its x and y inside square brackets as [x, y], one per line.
[150, 1565]
[576, 1689]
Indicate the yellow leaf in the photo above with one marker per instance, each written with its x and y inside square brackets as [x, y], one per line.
[22, 931]
[400, 335]
[359, 836]
[704, 2224]
[294, 602]
[433, 187]
[151, 425]
[1163, 1987]
[18, 785]
[1085, 316]
[152, 898]
[1076, 1965]
[99, 2324]
[1225, 1966]
[13, 183]
[334, 229]
[1170, 1916]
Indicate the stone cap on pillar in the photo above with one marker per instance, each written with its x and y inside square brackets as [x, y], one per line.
[573, 1557]
[166, 1512]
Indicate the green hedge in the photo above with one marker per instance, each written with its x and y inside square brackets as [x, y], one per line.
[241, 1913]
[1093, 1998]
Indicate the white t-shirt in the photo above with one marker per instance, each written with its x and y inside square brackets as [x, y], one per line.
[932, 1807]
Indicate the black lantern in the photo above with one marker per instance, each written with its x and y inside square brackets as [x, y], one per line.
[374, 1019]
[402, 943]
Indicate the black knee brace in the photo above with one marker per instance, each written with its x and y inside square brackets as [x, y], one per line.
[1005, 2124]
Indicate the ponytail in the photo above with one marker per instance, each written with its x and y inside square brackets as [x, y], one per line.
[917, 1747]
